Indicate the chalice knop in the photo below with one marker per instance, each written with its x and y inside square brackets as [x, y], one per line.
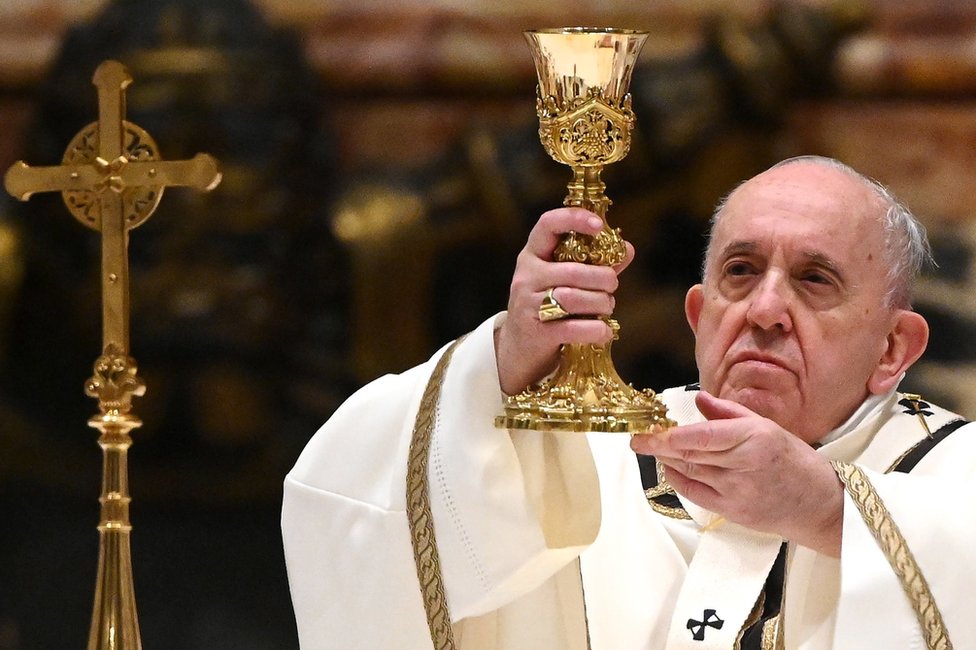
[585, 121]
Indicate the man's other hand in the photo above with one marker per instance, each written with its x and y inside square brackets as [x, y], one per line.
[753, 472]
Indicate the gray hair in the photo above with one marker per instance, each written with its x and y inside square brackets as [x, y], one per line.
[907, 249]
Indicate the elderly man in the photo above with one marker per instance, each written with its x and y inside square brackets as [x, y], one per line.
[802, 502]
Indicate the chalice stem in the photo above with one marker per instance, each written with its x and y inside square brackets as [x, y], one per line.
[587, 190]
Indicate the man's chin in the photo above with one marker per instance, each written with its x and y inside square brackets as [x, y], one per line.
[767, 403]
[784, 409]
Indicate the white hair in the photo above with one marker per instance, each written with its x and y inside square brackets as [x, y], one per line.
[907, 249]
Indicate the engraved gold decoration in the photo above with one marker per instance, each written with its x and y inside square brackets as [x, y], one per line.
[585, 121]
[111, 181]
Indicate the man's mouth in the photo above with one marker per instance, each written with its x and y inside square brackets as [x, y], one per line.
[759, 359]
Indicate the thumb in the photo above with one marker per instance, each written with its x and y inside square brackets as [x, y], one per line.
[628, 258]
[714, 408]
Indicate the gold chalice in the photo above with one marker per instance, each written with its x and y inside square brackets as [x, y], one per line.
[585, 121]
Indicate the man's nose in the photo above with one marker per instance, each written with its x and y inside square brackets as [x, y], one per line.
[770, 303]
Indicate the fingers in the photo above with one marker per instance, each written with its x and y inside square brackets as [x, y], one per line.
[552, 225]
[798, 498]
[527, 347]
[576, 330]
[576, 285]
[582, 302]
[693, 442]
[715, 408]
[533, 277]
[581, 289]
[549, 230]
[705, 442]
[619, 268]
[695, 482]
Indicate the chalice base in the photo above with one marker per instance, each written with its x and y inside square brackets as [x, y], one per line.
[585, 394]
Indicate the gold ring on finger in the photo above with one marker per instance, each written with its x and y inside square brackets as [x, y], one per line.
[550, 309]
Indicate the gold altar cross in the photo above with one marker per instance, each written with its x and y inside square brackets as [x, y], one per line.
[111, 180]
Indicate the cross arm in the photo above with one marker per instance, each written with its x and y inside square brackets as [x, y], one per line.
[22, 180]
[200, 172]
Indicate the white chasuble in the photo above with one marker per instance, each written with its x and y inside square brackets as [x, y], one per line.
[547, 541]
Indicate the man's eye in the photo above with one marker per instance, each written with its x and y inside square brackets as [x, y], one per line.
[738, 268]
[816, 278]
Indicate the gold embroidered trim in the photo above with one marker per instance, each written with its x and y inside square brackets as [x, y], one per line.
[896, 550]
[754, 617]
[667, 511]
[662, 488]
[419, 516]
[770, 634]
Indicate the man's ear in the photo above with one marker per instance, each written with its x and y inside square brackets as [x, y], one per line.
[905, 344]
[694, 300]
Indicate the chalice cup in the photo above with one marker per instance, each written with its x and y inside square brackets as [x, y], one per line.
[585, 121]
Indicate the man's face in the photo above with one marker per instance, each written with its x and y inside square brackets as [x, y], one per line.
[790, 319]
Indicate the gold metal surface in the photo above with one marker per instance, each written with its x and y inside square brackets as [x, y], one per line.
[585, 121]
[111, 180]
[550, 309]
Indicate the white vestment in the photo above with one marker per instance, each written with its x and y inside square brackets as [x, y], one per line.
[523, 518]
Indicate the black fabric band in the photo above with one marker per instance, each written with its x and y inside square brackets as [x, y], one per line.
[918, 452]
[648, 470]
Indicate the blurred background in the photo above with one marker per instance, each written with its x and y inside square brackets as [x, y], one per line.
[381, 170]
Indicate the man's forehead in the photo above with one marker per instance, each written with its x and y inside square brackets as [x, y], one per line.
[803, 196]
[808, 183]
[814, 214]
[799, 192]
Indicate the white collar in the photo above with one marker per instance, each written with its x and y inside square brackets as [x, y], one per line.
[868, 409]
